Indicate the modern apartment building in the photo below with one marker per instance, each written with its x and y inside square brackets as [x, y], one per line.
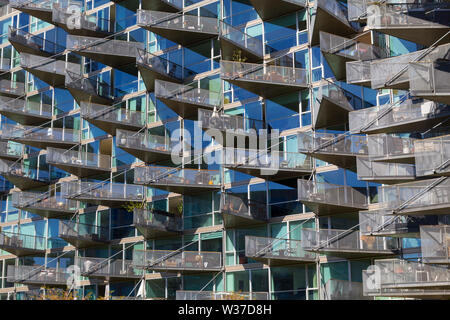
[225, 149]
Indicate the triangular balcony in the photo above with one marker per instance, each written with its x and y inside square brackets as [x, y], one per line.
[24, 176]
[82, 235]
[111, 270]
[184, 29]
[178, 180]
[178, 261]
[389, 148]
[158, 67]
[266, 81]
[336, 148]
[118, 54]
[22, 245]
[348, 244]
[277, 252]
[326, 199]
[220, 295]
[79, 163]
[110, 118]
[89, 88]
[25, 42]
[358, 73]
[430, 80]
[268, 9]
[112, 195]
[38, 276]
[154, 223]
[10, 150]
[435, 244]
[44, 204]
[432, 156]
[41, 9]
[185, 100]
[384, 172]
[11, 89]
[239, 211]
[26, 112]
[330, 16]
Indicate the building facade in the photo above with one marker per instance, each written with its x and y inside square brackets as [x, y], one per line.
[225, 149]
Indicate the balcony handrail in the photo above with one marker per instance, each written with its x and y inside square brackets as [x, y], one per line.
[419, 194]
[442, 166]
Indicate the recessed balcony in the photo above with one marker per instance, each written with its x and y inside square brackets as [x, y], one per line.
[101, 193]
[432, 157]
[390, 148]
[184, 262]
[384, 172]
[233, 40]
[184, 29]
[110, 118]
[110, 269]
[90, 88]
[41, 137]
[270, 165]
[118, 54]
[409, 115]
[332, 105]
[417, 198]
[327, 199]
[430, 80]
[25, 42]
[38, 275]
[44, 204]
[51, 71]
[266, 81]
[158, 67]
[435, 244]
[150, 148]
[268, 9]
[220, 295]
[275, 252]
[420, 24]
[185, 100]
[25, 112]
[330, 16]
[239, 211]
[24, 176]
[154, 223]
[336, 148]
[82, 235]
[79, 163]
[178, 180]
[10, 150]
[377, 223]
[340, 50]
[22, 245]
[347, 243]
[11, 89]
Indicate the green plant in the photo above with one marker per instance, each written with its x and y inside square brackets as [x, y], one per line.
[180, 207]
[130, 206]
[237, 56]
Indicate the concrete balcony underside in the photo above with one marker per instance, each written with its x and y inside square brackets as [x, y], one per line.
[149, 75]
[353, 253]
[183, 37]
[80, 95]
[185, 108]
[268, 9]
[424, 35]
[83, 241]
[281, 260]
[20, 44]
[331, 112]
[48, 212]
[44, 144]
[23, 117]
[110, 126]
[239, 220]
[44, 14]
[80, 170]
[15, 248]
[155, 232]
[325, 209]
[99, 201]
[347, 161]
[187, 189]
[147, 155]
[24, 183]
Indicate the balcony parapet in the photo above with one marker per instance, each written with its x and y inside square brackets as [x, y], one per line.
[384, 172]
[220, 295]
[435, 244]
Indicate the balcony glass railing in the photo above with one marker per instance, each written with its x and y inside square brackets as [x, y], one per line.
[435, 243]
[219, 295]
[345, 240]
[241, 206]
[332, 143]
[176, 176]
[262, 159]
[113, 268]
[39, 201]
[388, 115]
[161, 64]
[269, 74]
[176, 21]
[79, 159]
[73, 229]
[370, 170]
[177, 260]
[429, 78]
[270, 248]
[432, 156]
[157, 219]
[186, 94]
[327, 193]
[416, 196]
[349, 48]
[38, 275]
[102, 191]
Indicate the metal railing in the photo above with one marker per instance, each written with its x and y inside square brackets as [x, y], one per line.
[34, 41]
[109, 47]
[187, 94]
[25, 108]
[242, 39]
[435, 243]
[358, 72]
[91, 85]
[157, 219]
[385, 147]
[48, 65]
[233, 123]
[240, 205]
[34, 275]
[270, 248]
[31, 133]
[332, 143]
[10, 149]
[78, 159]
[144, 141]
[30, 242]
[114, 114]
[178, 260]
[337, 289]
[73, 229]
[176, 176]
[370, 170]
[429, 78]
[12, 87]
[112, 268]
[18, 169]
[432, 156]
[220, 295]
[33, 200]
[102, 191]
